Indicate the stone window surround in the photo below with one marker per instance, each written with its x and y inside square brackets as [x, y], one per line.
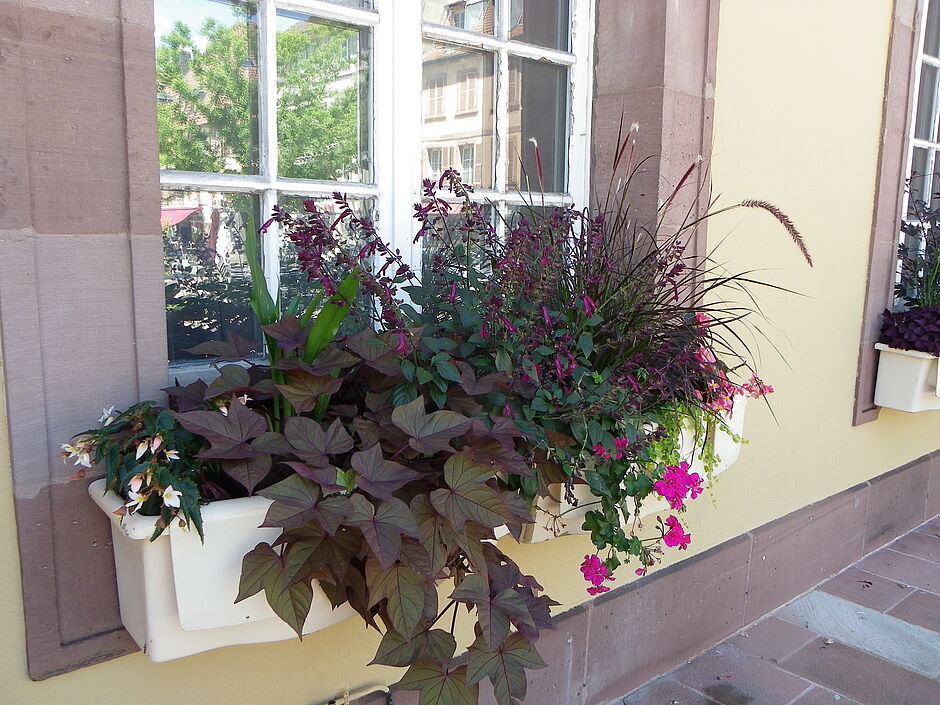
[80, 256]
[892, 163]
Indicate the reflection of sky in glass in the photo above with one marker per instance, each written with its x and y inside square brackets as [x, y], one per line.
[194, 14]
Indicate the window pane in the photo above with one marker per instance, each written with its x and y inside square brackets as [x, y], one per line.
[451, 234]
[458, 111]
[473, 15]
[539, 113]
[926, 102]
[205, 271]
[207, 85]
[932, 30]
[322, 99]
[920, 181]
[542, 22]
[295, 282]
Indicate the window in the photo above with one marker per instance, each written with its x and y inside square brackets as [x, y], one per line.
[908, 152]
[468, 161]
[262, 102]
[435, 162]
[434, 89]
[467, 92]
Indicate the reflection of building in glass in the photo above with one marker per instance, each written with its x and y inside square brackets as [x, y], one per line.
[458, 116]
[459, 98]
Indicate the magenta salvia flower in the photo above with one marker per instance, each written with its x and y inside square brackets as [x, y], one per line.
[703, 319]
[676, 535]
[589, 306]
[601, 452]
[677, 484]
[596, 573]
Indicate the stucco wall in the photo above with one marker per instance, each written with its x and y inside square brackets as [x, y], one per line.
[797, 119]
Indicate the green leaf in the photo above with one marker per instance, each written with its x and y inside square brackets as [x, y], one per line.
[586, 344]
[297, 500]
[383, 528]
[468, 497]
[597, 483]
[260, 298]
[423, 375]
[440, 684]
[330, 318]
[494, 612]
[404, 592]
[448, 371]
[408, 369]
[430, 433]
[505, 666]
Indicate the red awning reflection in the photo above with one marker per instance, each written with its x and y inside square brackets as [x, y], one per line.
[174, 216]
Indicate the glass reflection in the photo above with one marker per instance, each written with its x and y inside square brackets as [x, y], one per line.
[926, 103]
[322, 100]
[295, 284]
[472, 15]
[206, 274]
[457, 105]
[541, 22]
[207, 85]
[538, 100]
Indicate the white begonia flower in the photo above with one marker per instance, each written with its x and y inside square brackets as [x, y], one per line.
[142, 448]
[155, 444]
[171, 497]
[136, 482]
[135, 500]
[224, 410]
[107, 416]
[172, 454]
[81, 453]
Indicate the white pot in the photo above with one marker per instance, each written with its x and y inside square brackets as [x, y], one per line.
[560, 518]
[177, 594]
[907, 380]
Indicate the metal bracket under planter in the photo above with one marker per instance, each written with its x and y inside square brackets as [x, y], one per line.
[557, 517]
[907, 380]
[177, 594]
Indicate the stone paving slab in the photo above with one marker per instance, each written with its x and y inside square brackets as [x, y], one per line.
[867, 636]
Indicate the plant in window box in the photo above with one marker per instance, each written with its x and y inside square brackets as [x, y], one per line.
[910, 335]
[614, 342]
[387, 460]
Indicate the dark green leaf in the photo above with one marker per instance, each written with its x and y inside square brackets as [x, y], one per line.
[384, 527]
[380, 477]
[430, 433]
[402, 588]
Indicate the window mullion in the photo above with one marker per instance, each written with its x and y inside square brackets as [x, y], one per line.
[270, 244]
[501, 118]
[581, 82]
[267, 88]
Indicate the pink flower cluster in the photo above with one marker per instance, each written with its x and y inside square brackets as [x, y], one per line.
[675, 535]
[595, 573]
[755, 388]
[677, 484]
[619, 443]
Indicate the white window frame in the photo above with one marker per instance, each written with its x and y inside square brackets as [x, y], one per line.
[397, 32]
[436, 104]
[931, 145]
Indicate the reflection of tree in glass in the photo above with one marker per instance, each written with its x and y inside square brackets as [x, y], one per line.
[207, 99]
[207, 291]
[207, 108]
[319, 96]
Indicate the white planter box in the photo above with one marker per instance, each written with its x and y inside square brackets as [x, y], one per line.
[178, 595]
[907, 380]
[571, 517]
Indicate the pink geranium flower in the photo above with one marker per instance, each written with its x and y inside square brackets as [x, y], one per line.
[595, 573]
[676, 535]
[678, 484]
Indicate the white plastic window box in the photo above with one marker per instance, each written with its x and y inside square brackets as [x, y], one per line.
[907, 380]
[177, 594]
[560, 518]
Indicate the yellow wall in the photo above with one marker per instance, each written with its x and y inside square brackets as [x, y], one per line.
[797, 120]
